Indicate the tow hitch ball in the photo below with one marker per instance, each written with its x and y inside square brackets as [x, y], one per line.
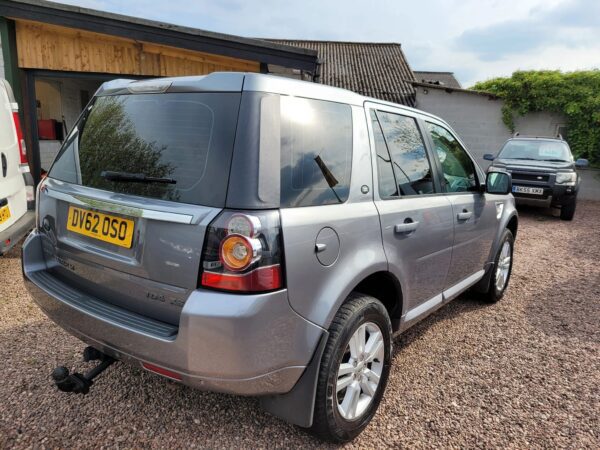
[77, 382]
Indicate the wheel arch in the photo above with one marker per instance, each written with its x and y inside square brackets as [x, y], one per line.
[386, 288]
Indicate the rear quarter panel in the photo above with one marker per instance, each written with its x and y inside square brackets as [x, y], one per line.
[317, 291]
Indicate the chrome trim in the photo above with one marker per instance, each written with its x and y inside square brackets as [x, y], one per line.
[102, 205]
[463, 285]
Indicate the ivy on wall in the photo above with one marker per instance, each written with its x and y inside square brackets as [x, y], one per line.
[574, 94]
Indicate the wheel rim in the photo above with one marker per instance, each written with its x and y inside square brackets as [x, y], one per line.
[503, 268]
[360, 371]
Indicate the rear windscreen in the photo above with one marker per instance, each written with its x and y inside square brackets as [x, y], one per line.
[183, 141]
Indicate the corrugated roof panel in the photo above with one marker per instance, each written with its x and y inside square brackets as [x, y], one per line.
[378, 70]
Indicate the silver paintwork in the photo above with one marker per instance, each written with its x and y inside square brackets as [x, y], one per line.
[358, 375]
[434, 246]
[223, 344]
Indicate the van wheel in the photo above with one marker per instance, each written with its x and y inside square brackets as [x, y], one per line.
[354, 369]
[567, 212]
[502, 268]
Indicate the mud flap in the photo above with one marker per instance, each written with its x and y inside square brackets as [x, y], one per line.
[298, 405]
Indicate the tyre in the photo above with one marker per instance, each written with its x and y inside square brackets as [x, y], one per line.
[568, 211]
[502, 268]
[354, 369]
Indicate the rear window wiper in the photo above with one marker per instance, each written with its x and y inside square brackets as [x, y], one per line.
[127, 177]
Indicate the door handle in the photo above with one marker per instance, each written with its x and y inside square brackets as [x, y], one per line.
[465, 215]
[406, 227]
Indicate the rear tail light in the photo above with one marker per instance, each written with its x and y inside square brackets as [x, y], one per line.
[22, 147]
[243, 252]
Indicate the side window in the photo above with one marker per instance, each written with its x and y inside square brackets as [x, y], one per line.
[316, 152]
[457, 167]
[407, 150]
[385, 171]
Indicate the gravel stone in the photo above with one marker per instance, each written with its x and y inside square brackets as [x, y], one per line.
[524, 372]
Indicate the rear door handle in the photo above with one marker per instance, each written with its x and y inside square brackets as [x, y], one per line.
[465, 215]
[406, 227]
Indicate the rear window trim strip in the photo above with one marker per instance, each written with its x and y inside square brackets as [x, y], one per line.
[127, 210]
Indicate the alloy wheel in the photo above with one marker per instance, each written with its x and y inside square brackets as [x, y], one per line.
[360, 371]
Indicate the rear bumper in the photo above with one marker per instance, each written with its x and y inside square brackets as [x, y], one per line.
[241, 344]
[14, 233]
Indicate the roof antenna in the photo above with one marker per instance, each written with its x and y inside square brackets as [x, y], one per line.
[516, 134]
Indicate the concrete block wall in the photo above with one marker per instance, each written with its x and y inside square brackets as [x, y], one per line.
[478, 119]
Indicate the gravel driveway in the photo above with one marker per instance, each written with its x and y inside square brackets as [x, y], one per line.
[523, 372]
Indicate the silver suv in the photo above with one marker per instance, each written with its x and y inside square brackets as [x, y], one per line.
[262, 236]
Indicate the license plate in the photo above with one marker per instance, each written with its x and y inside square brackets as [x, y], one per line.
[528, 190]
[4, 214]
[104, 227]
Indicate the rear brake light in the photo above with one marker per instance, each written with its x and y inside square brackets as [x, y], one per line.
[261, 279]
[243, 252]
[21, 141]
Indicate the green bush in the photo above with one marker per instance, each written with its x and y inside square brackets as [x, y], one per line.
[574, 94]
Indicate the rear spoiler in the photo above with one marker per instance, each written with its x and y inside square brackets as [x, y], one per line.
[215, 82]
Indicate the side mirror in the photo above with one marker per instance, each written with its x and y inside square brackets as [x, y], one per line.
[488, 157]
[582, 162]
[498, 183]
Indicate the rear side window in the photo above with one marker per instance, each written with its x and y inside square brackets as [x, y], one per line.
[407, 150]
[385, 171]
[316, 152]
[185, 137]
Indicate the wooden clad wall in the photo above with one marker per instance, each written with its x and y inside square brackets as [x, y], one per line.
[43, 46]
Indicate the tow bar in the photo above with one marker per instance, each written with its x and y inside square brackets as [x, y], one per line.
[77, 382]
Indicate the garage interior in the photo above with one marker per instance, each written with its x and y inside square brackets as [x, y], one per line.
[56, 56]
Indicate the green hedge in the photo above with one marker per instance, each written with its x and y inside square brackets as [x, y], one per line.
[574, 94]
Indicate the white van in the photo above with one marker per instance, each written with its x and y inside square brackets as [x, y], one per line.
[15, 219]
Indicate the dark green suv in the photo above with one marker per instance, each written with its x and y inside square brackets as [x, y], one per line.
[543, 172]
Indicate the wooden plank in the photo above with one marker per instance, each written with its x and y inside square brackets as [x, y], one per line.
[44, 46]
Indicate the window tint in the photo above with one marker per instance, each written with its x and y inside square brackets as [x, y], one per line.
[185, 137]
[385, 171]
[457, 166]
[407, 149]
[316, 152]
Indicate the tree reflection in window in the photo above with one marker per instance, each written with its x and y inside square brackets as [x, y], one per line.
[109, 142]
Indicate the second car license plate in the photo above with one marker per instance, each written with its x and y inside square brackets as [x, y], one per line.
[528, 190]
[4, 214]
[105, 227]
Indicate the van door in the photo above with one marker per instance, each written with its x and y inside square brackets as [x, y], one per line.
[13, 201]
[475, 221]
[416, 222]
